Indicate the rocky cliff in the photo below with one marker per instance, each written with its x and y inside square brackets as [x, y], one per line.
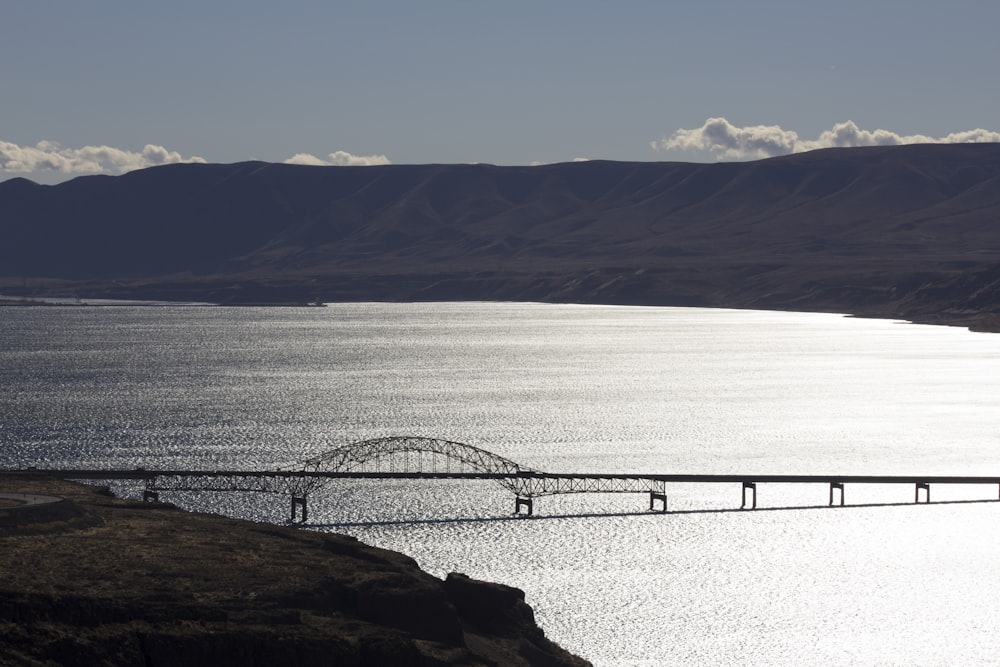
[94, 580]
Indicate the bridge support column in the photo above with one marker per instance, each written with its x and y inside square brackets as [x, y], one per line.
[840, 486]
[752, 487]
[523, 502]
[927, 492]
[150, 496]
[657, 495]
[298, 502]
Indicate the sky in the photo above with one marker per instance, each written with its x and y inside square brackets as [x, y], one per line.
[106, 87]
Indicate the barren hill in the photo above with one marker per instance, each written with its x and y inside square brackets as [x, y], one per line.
[94, 580]
[908, 231]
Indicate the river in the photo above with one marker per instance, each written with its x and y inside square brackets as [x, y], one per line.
[567, 388]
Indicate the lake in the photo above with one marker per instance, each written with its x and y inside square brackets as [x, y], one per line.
[565, 388]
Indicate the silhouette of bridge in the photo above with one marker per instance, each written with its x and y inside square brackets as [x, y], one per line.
[412, 457]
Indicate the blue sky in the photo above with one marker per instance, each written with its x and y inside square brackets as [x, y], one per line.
[110, 86]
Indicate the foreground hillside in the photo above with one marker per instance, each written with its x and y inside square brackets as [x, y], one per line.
[93, 580]
[904, 231]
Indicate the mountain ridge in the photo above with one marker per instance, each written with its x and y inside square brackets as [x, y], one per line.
[901, 231]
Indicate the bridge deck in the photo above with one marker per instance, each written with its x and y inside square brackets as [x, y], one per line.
[143, 474]
[525, 484]
[423, 458]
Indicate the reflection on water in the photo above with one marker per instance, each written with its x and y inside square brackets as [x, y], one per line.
[577, 389]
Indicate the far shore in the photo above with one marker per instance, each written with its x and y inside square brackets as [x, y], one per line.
[74, 301]
[977, 322]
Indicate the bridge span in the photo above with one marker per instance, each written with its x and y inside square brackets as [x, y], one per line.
[410, 457]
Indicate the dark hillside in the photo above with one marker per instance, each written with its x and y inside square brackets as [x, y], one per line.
[93, 580]
[908, 231]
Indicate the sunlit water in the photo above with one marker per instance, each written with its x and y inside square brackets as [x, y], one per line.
[577, 389]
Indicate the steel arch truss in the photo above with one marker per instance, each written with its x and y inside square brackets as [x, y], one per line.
[404, 457]
[431, 456]
[363, 455]
[413, 454]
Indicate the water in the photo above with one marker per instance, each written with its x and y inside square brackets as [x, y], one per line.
[577, 389]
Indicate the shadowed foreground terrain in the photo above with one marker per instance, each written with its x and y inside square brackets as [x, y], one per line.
[909, 232]
[96, 580]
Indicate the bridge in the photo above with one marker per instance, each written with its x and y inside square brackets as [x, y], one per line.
[413, 457]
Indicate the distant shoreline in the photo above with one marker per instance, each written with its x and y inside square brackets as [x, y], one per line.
[976, 322]
[8, 300]
[58, 301]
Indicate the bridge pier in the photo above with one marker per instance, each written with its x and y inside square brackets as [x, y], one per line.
[657, 495]
[298, 502]
[927, 492]
[840, 486]
[527, 503]
[149, 496]
[752, 487]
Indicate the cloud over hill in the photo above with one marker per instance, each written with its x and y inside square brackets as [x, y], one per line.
[339, 159]
[727, 141]
[51, 156]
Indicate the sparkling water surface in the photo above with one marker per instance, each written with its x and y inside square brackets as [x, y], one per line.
[577, 389]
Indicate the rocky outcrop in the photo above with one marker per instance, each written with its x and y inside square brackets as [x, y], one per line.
[142, 585]
[489, 611]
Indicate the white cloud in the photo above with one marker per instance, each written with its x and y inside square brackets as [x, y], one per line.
[338, 158]
[726, 141]
[720, 136]
[307, 159]
[50, 156]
